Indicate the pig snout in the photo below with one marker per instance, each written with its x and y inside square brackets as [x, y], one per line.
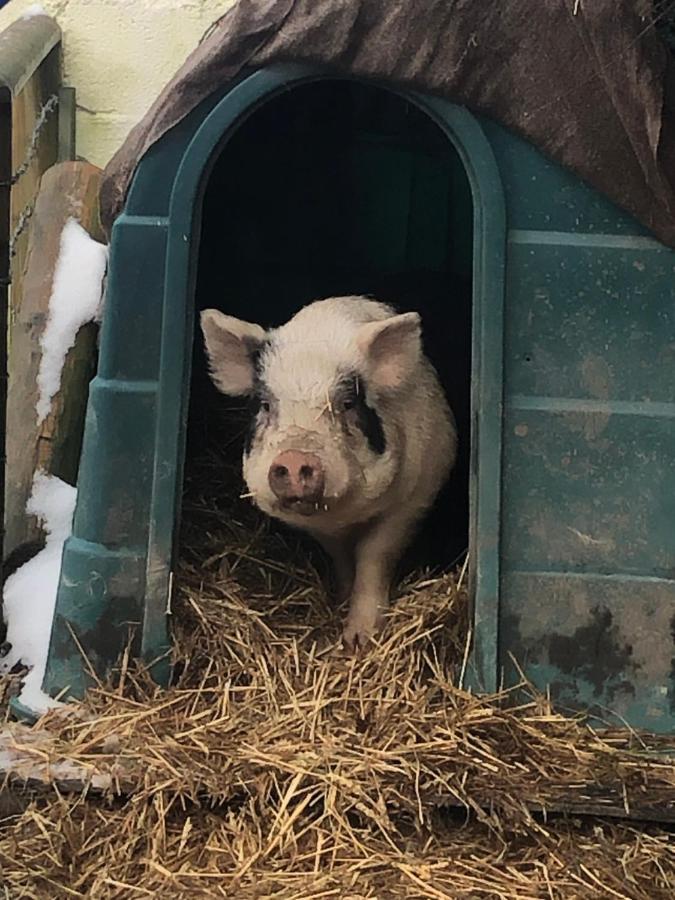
[297, 480]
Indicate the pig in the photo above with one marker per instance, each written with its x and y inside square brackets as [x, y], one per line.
[351, 437]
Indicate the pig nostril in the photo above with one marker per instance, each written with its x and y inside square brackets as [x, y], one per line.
[297, 479]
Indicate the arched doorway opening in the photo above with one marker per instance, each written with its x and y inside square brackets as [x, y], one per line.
[337, 188]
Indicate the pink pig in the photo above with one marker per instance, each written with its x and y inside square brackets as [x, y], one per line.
[352, 437]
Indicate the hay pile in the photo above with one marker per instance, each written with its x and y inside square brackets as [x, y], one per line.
[276, 767]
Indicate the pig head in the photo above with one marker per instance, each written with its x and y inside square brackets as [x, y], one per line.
[351, 436]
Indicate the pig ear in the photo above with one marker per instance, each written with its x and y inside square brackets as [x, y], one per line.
[231, 346]
[392, 349]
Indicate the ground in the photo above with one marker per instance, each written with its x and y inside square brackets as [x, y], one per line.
[277, 766]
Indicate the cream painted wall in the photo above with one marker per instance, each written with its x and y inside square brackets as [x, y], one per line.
[118, 54]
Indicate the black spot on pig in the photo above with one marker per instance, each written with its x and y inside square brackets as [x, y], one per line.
[259, 403]
[370, 424]
[256, 352]
[249, 435]
[253, 410]
[354, 401]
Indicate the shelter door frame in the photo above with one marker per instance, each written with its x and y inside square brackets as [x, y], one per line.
[160, 382]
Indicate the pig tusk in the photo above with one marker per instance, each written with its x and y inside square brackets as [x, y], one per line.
[250, 494]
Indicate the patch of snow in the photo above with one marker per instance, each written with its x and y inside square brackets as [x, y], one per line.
[35, 9]
[76, 299]
[29, 595]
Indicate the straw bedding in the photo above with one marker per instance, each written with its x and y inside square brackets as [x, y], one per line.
[276, 766]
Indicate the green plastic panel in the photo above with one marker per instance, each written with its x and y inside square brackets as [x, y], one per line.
[543, 196]
[603, 643]
[573, 418]
[587, 599]
[590, 317]
[589, 489]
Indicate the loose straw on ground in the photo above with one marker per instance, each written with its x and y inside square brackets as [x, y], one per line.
[278, 767]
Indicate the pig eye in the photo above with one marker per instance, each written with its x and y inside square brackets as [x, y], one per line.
[265, 406]
[348, 404]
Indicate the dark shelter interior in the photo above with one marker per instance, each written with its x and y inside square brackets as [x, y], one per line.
[337, 188]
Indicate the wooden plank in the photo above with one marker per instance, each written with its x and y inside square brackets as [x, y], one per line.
[27, 167]
[603, 801]
[68, 190]
[28, 763]
[27, 759]
[67, 118]
[24, 45]
[5, 178]
[26, 110]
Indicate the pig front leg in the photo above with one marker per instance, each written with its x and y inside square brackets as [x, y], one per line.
[341, 551]
[376, 555]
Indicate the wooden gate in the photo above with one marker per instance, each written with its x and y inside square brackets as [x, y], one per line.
[36, 129]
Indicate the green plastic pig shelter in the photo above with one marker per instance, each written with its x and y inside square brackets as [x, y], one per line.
[572, 488]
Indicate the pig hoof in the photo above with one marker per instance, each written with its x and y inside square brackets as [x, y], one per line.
[358, 632]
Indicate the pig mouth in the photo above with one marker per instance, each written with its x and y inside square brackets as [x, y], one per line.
[303, 507]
